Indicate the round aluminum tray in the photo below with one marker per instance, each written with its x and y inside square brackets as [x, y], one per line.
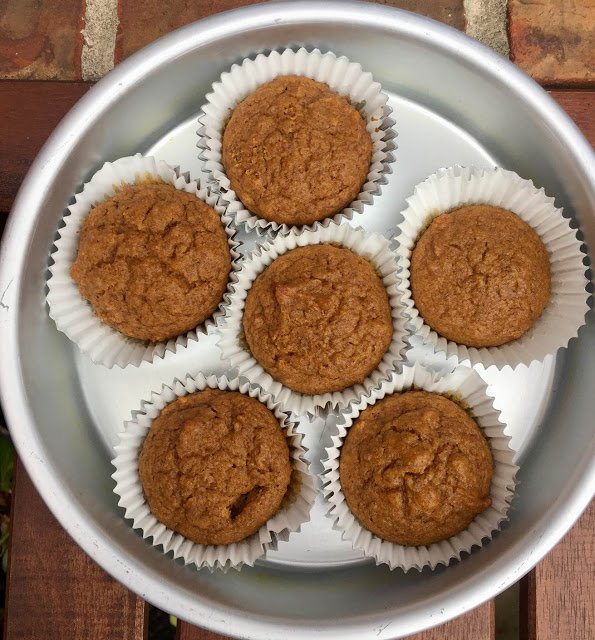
[454, 102]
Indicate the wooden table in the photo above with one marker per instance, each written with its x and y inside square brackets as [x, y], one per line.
[56, 592]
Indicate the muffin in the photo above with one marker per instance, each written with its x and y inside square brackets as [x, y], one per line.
[318, 319]
[296, 152]
[480, 276]
[153, 261]
[215, 466]
[415, 468]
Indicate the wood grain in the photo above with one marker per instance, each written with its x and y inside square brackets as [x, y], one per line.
[478, 624]
[560, 591]
[580, 106]
[55, 591]
[29, 112]
[186, 631]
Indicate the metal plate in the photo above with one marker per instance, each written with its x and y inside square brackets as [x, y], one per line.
[110, 395]
[455, 102]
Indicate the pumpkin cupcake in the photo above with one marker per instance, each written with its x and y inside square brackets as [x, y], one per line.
[296, 137]
[420, 470]
[296, 152]
[316, 317]
[142, 262]
[213, 471]
[153, 261]
[492, 272]
[480, 276]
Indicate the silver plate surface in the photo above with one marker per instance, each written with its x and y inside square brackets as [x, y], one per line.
[110, 395]
[455, 102]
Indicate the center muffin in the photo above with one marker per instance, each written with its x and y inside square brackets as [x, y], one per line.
[318, 319]
[296, 152]
[215, 466]
[153, 261]
[415, 468]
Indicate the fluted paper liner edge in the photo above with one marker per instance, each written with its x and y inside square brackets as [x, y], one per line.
[342, 76]
[472, 390]
[371, 246]
[131, 497]
[565, 312]
[72, 314]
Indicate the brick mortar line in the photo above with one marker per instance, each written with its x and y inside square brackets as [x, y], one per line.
[99, 38]
[487, 21]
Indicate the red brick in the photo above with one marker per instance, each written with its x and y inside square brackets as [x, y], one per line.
[449, 11]
[142, 21]
[554, 40]
[41, 39]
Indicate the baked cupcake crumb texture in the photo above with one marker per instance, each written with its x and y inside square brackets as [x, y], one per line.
[296, 152]
[415, 468]
[153, 261]
[215, 466]
[480, 276]
[318, 319]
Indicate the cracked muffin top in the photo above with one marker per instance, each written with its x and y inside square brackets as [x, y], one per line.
[415, 468]
[153, 261]
[295, 151]
[215, 466]
[480, 276]
[318, 319]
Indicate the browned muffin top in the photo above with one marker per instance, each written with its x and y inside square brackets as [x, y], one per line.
[318, 319]
[415, 468]
[215, 466]
[152, 261]
[480, 276]
[295, 151]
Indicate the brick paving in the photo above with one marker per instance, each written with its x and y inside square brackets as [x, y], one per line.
[41, 39]
[552, 40]
[142, 21]
[449, 11]
[486, 20]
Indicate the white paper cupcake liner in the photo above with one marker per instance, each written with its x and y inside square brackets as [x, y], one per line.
[374, 248]
[72, 314]
[565, 314]
[128, 486]
[470, 388]
[342, 76]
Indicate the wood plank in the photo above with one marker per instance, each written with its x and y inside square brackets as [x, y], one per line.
[186, 631]
[29, 112]
[580, 106]
[560, 591]
[55, 591]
